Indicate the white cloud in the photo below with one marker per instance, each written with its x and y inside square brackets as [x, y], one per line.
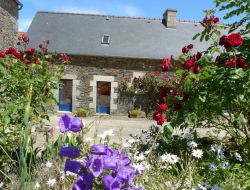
[71, 9]
[24, 24]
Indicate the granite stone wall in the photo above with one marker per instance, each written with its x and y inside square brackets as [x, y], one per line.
[85, 67]
[8, 23]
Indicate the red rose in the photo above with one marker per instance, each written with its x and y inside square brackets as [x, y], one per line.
[161, 120]
[17, 54]
[164, 92]
[46, 90]
[162, 100]
[41, 46]
[165, 64]
[185, 50]
[232, 62]
[162, 107]
[190, 46]
[185, 95]
[25, 39]
[189, 63]
[36, 61]
[198, 55]
[216, 20]
[175, 91]
[30, 51]
[241, 63]
[65, 57]
[222, 41]
[26, 61]
[234, 40]
[2, 55]
[10, 51]
[196, 69]
[176, 106]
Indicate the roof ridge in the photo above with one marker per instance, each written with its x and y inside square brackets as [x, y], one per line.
[102, 15]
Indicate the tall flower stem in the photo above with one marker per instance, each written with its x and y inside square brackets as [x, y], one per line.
[24, 170]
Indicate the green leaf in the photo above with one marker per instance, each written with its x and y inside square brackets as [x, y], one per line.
[180, 72]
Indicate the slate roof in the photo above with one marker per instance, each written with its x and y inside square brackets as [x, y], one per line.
[81, 34]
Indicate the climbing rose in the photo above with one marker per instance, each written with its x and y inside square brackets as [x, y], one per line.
[196, 69]
[241, 63]
[2, 55]
[165, 64]
[234, 40]
[190, 46]
[189, 63]
[161, 120]
[162, 107]
[185, 50]
[232, 62]
[176, 106]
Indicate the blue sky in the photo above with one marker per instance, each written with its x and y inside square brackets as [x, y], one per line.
[187, 9]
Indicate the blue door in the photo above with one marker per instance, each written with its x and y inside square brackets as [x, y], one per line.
[103, 97]
[65, 96]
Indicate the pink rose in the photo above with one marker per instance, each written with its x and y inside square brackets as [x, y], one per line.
[165, 64]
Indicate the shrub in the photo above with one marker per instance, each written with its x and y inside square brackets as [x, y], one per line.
[82, 112]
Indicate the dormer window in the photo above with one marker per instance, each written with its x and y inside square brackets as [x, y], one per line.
[106, 39]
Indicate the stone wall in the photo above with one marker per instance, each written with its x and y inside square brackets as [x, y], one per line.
[8, 23]
[86, 67]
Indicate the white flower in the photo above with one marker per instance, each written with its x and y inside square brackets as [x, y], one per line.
[131, 141]
[213, 167]
[170, 158]
[62, 176]
[126, 145]
[109, 132]
[51, 182]
[102, 136]
[214, 148]
[37, 186]
[188, 136]
[69, 135]
[139, 168]
[49, 164]
[215, 187]
[224, 165]
[197, 153]
[220, 154]
[88, 139]
[155, 146]
[192, 144]
[238, 156]
[202, 186]
[147, 152]
[140, 157]
[1, 184]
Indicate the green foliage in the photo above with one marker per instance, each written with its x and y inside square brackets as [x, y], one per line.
[82, 112]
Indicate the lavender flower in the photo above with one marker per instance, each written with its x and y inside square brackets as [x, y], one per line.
[74, 167]
[69, 123]
[84, 182]
[70, 152]
[110, 183]
[95, 165]
[100, 149]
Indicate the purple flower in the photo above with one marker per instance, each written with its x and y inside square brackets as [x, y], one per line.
[74, 167]
[100, 149]
[69, 123]
[70, 152]
[110, 183]
[110, 163]
[95, 165]
[84, 182]
[126, 175]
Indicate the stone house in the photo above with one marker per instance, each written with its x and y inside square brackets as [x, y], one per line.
[105, 49]
[9, 23]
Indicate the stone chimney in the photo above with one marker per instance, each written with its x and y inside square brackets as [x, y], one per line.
[169, 18]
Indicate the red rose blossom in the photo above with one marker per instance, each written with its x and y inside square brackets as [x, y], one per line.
[234, 40]
[216, 20]
[2, 55]
[17, 54]
[198, 55]
[164, 92]
[190, 46]
[25, 39]
[162, 107]
[185, 50]
[10, 51]
[161, 120]
[176, 106]
[232, 62]
[196, 69]
[41, 46]
[26, 61]
[30, 51]
[241, 63]
[165, 64]
[189, 63]
[175, 91]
